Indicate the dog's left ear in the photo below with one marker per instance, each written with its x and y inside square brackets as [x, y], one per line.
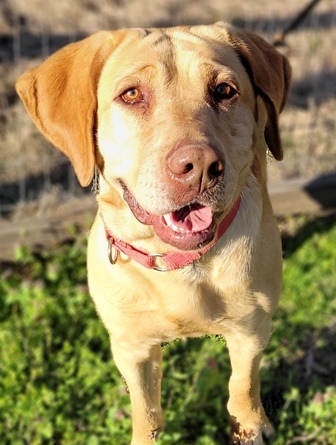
[270, 74]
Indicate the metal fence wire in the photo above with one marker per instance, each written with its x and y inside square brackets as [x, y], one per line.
[34, 177]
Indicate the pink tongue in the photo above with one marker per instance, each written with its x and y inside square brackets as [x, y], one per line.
[194, 218]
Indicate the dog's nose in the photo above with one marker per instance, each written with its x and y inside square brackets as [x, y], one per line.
[195, 166]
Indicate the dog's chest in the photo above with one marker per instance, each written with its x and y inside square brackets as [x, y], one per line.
[195, 310]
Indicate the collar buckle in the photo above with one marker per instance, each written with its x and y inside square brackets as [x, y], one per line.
[155, 265]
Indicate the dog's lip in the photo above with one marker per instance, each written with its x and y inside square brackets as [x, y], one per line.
[187, 228]
[141, 215]
[182, 239]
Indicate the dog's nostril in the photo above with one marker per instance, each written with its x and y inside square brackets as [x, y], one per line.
[215, 169]
[188, 167]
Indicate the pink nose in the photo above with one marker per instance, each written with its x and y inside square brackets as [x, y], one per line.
[194, 166]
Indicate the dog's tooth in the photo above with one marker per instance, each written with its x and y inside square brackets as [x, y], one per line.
[167, 219]
[169, 222]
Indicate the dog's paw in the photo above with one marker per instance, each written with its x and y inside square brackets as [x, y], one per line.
[250, 436]
[243, 437]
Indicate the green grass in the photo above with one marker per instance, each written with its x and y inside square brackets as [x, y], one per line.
[58, 383]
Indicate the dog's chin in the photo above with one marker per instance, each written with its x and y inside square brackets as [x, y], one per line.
[188, 228]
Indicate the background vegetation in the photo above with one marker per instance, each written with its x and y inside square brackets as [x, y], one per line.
[59, 384]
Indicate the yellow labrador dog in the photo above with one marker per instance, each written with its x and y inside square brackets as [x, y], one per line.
[177, 121]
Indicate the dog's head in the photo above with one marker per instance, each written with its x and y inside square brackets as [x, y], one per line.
[170, 117]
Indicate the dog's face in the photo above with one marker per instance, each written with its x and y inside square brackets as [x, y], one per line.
[170, 117]
[175, 130]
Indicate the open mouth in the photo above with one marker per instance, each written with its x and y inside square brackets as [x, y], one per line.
[188, 228]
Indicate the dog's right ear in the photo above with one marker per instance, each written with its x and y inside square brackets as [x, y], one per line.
[61, 97]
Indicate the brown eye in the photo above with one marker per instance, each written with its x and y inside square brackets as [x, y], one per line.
[132, 96]
[224, 91]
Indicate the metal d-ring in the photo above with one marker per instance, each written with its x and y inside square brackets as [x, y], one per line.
[155, 267]
[112, 252]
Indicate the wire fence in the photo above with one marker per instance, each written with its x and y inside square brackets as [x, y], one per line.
[34, 177]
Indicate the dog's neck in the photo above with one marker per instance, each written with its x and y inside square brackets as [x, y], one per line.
[169, 261]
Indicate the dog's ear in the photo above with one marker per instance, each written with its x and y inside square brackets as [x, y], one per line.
[61, 97]
[270, 74]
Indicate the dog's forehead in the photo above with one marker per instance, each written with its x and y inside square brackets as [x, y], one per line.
[177, 49]
[200, 43]
[186, 36]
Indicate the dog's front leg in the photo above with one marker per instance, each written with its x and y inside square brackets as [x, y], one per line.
[140, 366]
[247, 414]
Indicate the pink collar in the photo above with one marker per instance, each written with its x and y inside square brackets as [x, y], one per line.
[173, 260]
